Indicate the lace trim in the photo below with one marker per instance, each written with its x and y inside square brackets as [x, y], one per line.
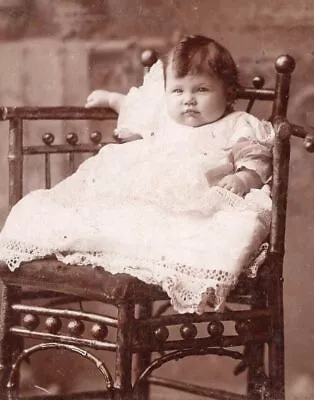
[213, 284]
[14, 252]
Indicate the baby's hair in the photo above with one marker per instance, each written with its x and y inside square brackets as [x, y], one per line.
[200, 54]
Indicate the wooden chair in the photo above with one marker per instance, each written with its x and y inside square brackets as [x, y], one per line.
[138, 332]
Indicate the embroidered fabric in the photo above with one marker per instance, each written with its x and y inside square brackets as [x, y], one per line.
[150, 208]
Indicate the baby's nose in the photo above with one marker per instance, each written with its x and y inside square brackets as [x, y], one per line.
[189, 100]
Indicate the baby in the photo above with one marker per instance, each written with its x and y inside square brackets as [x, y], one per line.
[201, 79]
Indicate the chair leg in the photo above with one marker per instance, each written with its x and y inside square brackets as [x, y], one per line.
[276, 346]
[123, 367]
[257, 386]
[276, 351]
[276, 365]
[7, 345]
[143, 359]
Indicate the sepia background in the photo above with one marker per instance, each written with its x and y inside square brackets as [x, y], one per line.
[54, 52]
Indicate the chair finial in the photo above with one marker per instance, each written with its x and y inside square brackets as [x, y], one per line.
[309, 143]
[285, 64]
[148, 58]
[258, 82]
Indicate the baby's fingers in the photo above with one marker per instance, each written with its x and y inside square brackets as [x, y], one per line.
[228, 186]
[90, 101]
[224, 183]
[98, 98]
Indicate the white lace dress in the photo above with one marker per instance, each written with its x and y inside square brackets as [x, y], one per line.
[150, 208]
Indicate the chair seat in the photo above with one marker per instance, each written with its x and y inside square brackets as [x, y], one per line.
[85, 281]
[94, 283]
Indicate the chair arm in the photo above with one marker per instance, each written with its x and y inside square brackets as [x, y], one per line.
[286, 129]
[56, 113]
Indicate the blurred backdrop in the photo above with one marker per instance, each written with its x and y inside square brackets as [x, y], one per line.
[54, 52]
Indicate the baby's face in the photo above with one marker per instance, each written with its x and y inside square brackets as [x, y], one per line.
[195, 100]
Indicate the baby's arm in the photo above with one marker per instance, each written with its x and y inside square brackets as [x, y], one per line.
[241, 182]
[113, 100]
[105, 98]
[251, 145]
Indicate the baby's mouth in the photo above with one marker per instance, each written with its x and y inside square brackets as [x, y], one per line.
[190, 111]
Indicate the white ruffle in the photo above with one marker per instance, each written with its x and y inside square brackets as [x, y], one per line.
[144, 106]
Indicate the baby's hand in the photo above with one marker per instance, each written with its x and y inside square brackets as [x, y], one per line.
[123, 135]
[233, 183]
[98, 98]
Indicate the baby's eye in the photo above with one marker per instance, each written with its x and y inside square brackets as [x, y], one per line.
[203, 89]
[177, 90]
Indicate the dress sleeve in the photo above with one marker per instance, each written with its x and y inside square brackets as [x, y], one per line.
[252, 144]
[143, 106]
